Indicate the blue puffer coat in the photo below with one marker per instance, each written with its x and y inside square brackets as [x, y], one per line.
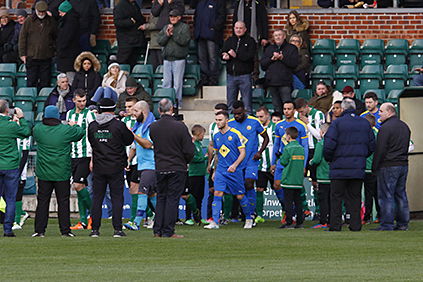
[348, 142]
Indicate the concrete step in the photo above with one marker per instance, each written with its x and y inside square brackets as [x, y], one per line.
[199, 104]
[203, 118]
[214, 93]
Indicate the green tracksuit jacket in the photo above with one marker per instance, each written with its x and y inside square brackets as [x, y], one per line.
[293, 161]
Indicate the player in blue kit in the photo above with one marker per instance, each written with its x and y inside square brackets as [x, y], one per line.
[229, 146]
[371, 101]
[280, 143]
[250, 127]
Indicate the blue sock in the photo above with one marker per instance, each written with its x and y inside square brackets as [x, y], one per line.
[153, 201]
[252, 198]
[245, 207]
[216, 208]
[141, 207]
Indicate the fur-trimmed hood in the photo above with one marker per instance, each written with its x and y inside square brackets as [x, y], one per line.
[301, 26]
[90, 56]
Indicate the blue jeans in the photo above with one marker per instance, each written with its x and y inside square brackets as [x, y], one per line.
[242, 83]
[104, 92]
[392, 196]
[173, 71]
[9, 180]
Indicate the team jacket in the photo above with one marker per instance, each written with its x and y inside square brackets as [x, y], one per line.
[293, 161]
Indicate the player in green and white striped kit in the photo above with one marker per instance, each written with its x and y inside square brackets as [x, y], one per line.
[264, 174]
[81, 157]
[20, 215]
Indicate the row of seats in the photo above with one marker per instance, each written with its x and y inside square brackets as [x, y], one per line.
[372, 51]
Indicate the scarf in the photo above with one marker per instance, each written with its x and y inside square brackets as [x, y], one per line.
[61, 104]
[241, 17]
[144, 125]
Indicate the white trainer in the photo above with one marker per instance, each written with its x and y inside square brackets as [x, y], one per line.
[212, 225]
[248, 224]
[16, 226]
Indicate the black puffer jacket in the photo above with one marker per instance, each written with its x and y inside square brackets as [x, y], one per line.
[88, 80]
[279, 72]
[127, 17]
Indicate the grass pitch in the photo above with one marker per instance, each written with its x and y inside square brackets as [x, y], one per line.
[264, 253]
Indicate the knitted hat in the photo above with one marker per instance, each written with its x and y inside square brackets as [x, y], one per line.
[113, 65]
[51, 112]
[106, 105]
[21, 12]
[65, 7]
[41, 6]
[131, 82]
[4, 12]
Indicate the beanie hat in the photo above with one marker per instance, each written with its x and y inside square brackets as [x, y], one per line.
[106, 105]
[21, 12]
[131, 82]
[41, 6]
[113, 65]
[65, 7]
[51, 112]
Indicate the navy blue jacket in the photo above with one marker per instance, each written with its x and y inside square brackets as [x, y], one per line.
[348, 142]
[54, 97]
[209, 20]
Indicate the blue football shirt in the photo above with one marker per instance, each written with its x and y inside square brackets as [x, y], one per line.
[227, 146]
[377, 116]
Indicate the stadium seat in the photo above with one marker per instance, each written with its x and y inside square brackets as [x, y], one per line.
[370, 77]
[125, 67]
[192, 47]
[393, 96]
[7, 74]
[189, 86]
[44, 92]
[159, 72]
[371, 52]
[323, 73]
[192, 59]
[302, 93]
[380, 94]
[143, 69]
[164, 93]
[396, 52]
[395, 77]
[413, 73]
[102, 47]
[30, 92]
[346, 75]
[157, 83]
[323, 51]
[222, 77]
[415, 54]
[148, 90]
[29, 116]
[143, 74]
[357, 94]
[347, 52]
[257, 98]
[144, 81]
[6, 92]
[26, 104]
[42, 97]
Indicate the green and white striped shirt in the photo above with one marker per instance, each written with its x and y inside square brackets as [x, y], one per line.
[24, 145]
[130, 121]
[266, 156]
[82, 148]
[315, 119]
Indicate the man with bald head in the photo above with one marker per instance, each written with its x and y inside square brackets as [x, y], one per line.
[390, 164]
[238, 52]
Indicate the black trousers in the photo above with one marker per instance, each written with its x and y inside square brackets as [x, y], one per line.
[38, 73]
[19, 194]
[370, 193]
[349, 191]
[62, 190]
[170, 186]
[116, 183]
[324, 202]
[311, 168]
[196, 188]
[293, 197]
[128, 55]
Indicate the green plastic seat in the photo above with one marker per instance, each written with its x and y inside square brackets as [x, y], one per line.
[379, 92]
[323, 51]
[393, 96]
[161, 93]
[143, 69]
[222, 77]
[125, 67]
[44, 92]
[157, 83]
[323, 73]
[347, 51]
[189, 86]
[29, 116]
[371, 52]
[26, 104]
[346, 75]
[415, 54]
[192, 47]
[102, 47]
[370, 77]
[192, 71]
[258, 95]
[144, 81]
[7, 98]
[159, 72]
[396, 51]
[6, 81]
[192, 59]
[395, 77]
[7, 92]
[30, 92]
[148, 90]
[302, 93]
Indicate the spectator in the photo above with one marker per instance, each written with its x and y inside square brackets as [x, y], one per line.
[348, 92]
[324, 97]
[238, 52]
[173, 150]
[61, 96]
[162, 8]
[154, 48]
[53, 169]
[130, 37]
[109, 138]
[302, 70]
[390, 164]
[209, 23]
[335, 113]
[295, 25]
[89, 22]
[53, 7]
[10, 130]
[325, 3]
[87, 76]
[174, 38]
[418, 79]
[371, 100]
[7, 28]
[279, 61]
[115, 78]
[67, 40]
[13, 56]
[347, 144]
[351, 4]
[133, 89]
[37, 46]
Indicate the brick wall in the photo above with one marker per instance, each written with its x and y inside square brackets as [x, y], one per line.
[389, 25]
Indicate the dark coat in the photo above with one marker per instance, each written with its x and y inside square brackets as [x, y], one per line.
[141, 94]
[67, 44]
[173, 147]
[392, 144]
[53, 7]
[89, 15]
[90, 80]
[127, 32]
[359, 106]
[243, 63]
[162, 11]
[302, 70]
[54, 97]
[348, 142]
[279, 72]
[261, 18]
[209, 20]
[6, 34]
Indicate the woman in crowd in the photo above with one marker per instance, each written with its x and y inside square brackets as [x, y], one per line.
[113, 84]
[297, 25]
[87, 76]
[7, 29]
[61, 96]
[302, 71]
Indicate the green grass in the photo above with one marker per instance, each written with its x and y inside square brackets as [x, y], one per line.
[230, 254]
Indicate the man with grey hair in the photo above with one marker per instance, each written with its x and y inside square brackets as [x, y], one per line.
[173, 150]
[347, 144]
[390, 164]
[12, 126]
[61, 96]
